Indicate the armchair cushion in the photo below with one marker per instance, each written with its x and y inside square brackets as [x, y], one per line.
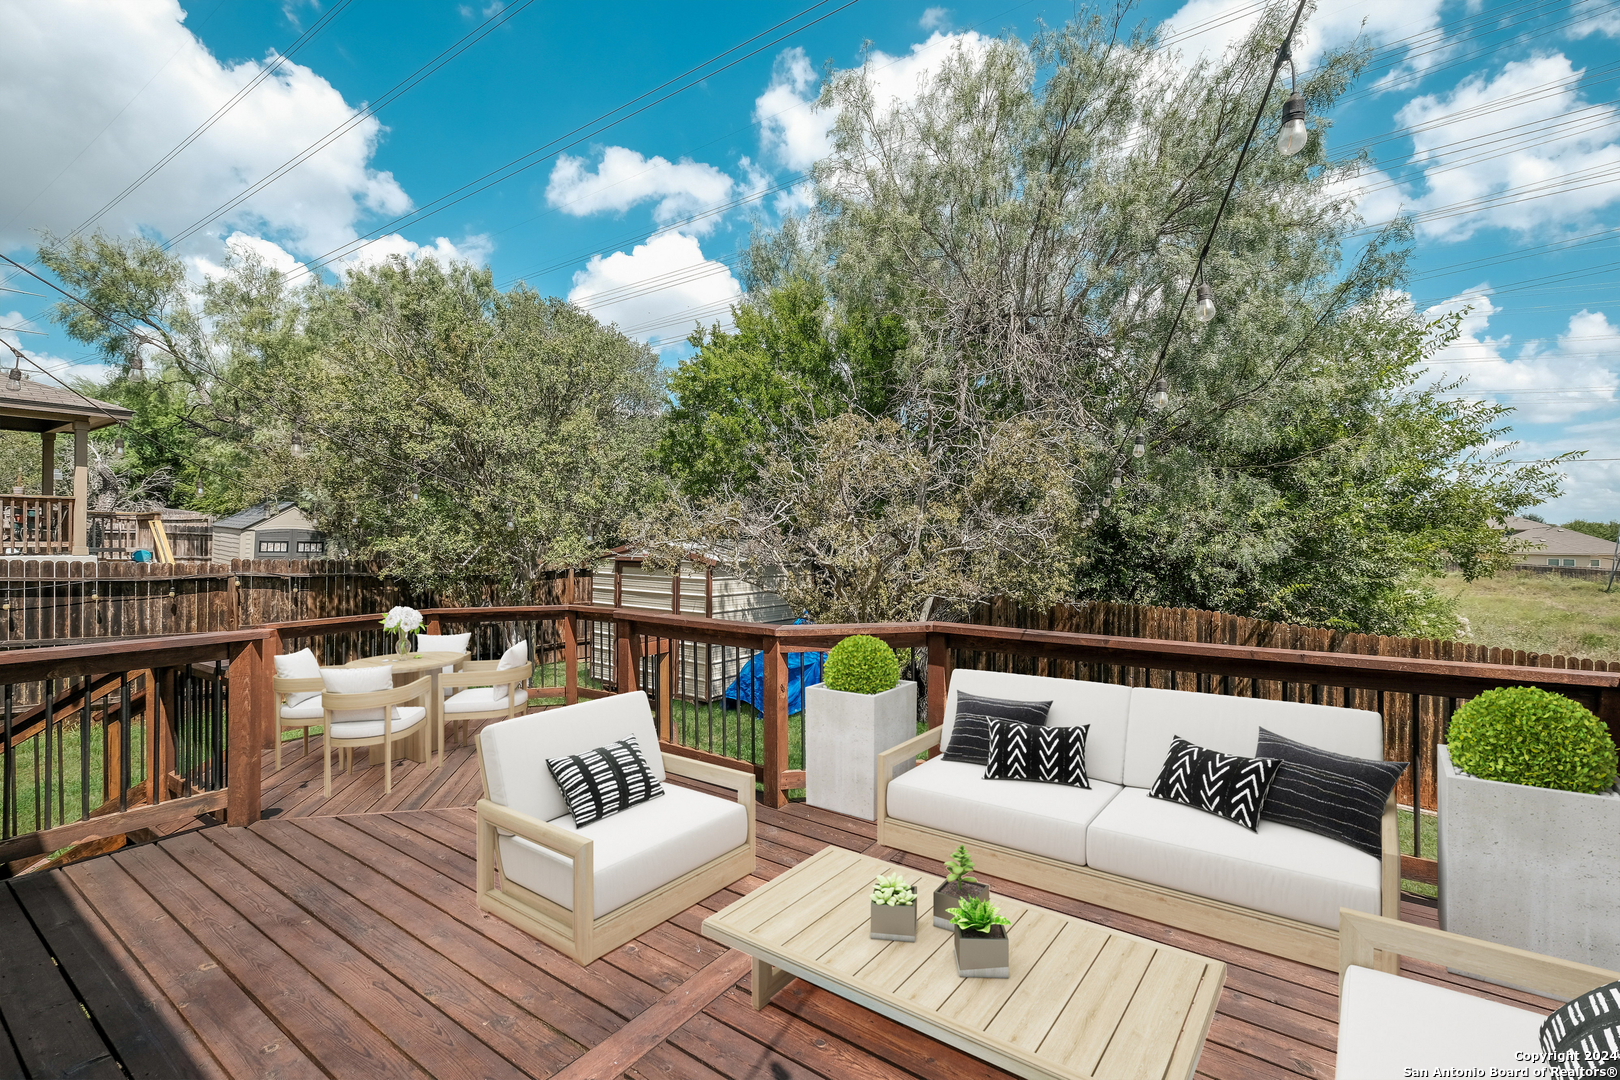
[634, 852]
[514, 751]
[1390, 1026]
[405, 718]
[484, 698]
[299, 665]
[443, 643]
[515, 657]
[309, 707]
[605, 781]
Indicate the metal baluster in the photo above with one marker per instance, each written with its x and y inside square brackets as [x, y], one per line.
[84, 753]
[8, 822]
[219, 725]
[50, 711]
[1416, 769]
[123, 742]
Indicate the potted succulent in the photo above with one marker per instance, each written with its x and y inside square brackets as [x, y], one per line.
[980, 930]
[894, 909]
[1529, 813]
[858, 710]
[959, 884]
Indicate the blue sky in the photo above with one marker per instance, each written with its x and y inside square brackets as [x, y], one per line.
[1495, 121]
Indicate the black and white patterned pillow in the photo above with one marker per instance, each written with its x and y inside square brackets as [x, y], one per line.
[1582, 1036]
[970, 731]
[1227, 785]
[1051, 755]
[1332, 795]
[604, 781]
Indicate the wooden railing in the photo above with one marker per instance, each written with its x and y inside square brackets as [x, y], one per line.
[36, 524]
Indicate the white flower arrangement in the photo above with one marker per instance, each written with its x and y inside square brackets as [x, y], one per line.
[402, 622]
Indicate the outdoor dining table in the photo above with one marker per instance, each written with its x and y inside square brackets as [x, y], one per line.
[407, 667]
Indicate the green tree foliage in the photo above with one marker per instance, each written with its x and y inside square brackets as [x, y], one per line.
[1030, 221]
[1603, 530]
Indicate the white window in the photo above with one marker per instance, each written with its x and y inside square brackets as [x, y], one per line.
[311, 547]
[269, 547]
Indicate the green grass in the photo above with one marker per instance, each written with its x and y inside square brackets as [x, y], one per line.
[1428, 849]
[1540, 613]
[67, 790]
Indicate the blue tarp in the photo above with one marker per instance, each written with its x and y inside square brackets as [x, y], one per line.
[804, 669]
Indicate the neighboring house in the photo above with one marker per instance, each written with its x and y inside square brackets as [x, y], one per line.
[1553, 545]
[268, 531]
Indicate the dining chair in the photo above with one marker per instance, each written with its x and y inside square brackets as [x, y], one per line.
[363, 707]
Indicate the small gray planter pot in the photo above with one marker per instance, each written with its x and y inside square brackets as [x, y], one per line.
[1530, 867]
[843, 735]
[896, 922]
[982, 956]
[950, 894]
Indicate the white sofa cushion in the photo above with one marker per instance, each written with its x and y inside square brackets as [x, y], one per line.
[1104, 706]
[1232, 726]
[514, 751]
[634, 851]
[405, 718]
[1276, 868]
[483, 698]
[1394, 1027]
[299, 665]
[1042, 819]
[309, 707]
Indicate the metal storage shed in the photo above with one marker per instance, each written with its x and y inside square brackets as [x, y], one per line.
[267, 531]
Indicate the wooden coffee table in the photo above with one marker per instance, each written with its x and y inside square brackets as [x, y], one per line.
[1082, 1001]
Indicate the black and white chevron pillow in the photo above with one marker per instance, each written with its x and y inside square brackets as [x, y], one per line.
[1052, 755]
[604, 781]
[1228, 785]
[1582, 1036]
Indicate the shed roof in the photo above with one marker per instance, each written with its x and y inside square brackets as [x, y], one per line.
[253, 515]
[1555, 539]
[41, 407]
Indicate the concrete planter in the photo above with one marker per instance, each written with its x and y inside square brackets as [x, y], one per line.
[1530, 867]
[982, 956]
[894, 922]
[950, 894]
[843, 735]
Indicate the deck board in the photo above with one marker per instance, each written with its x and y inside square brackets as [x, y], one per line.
[339, 937]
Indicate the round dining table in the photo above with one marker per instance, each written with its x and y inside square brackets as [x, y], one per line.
[407, 667]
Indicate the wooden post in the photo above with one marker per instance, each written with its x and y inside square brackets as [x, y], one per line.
[939, 678]
[570, 654]
[1609, 711]
[775, 723]
[244, 707]
[432, 626]
[264, 691]
[629, 654]
[81, 486]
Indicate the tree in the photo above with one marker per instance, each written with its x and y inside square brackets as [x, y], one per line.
[1032, 219]
[1603, 530]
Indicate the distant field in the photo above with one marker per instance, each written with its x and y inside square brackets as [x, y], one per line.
[1540, 613]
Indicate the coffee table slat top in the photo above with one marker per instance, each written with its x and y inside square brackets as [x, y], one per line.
[1082, 1000]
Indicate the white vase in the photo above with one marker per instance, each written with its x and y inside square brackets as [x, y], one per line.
[843, 735]
[1530, 867]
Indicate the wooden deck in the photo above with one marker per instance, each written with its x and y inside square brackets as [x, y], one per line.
[339, 938]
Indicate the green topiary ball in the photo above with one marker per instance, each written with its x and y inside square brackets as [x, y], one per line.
[1525, 735]
[861, 664]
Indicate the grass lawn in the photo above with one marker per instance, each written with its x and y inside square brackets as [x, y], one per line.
[67, 787]
[1541, 613]
[1430, 846]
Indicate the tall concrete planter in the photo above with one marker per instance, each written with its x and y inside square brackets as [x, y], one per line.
[843, 735]
[1530, 867]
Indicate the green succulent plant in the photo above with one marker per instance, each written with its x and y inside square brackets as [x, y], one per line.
[1526, 735]
[861, 664]
[959, 867]
[978, 916]
[892, 890]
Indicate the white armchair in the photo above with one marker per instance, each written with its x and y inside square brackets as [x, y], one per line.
[586, 891]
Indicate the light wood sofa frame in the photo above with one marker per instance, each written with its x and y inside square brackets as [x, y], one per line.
[475, 673]
[1314, 945]
[584, 938]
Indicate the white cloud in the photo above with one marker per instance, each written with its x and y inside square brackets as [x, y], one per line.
[1545, 382]
[242, 245]
[658, 290]
[1204, 28]
[795, 134]
[96, 93]
[1598, 22]
[1554, 172]
[624, 178]
[474, 249]
[935, 18]
[60, 366]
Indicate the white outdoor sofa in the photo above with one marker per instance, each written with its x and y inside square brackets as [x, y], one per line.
[1278, 889]
[626, 873]
[1395, 1027]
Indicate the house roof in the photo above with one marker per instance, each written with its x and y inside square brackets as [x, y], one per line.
[1544, 539]
[40, 407]
[253, 515]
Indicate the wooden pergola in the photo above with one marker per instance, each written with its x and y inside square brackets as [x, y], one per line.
[47, 523]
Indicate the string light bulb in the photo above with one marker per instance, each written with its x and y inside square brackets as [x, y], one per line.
[510, 524]
[1161, 394]
[1139, 447]
[199, 487]
[297, 443]
[1204, 309]
[1108, 500]
[118, 445]
[416, 493]
[1292, 137]
[14, 379]
[1118, 480]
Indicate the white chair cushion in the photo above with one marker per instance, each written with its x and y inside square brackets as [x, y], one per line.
[363, 680]
[514, 751]
[1042, 819]
[405, 718]
[1232, 726]
[309, 707]
[1394, 1027]
[443, 643]
[635, 851]
[299, 665]
[483, 698]
[515, 657]
[1104, 706]
[1277, 868]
